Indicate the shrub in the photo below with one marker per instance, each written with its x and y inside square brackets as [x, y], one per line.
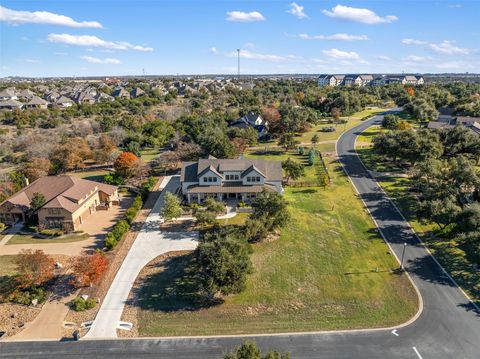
[110, 241]
[328, 129]
[131, 213]
[2, 226]
[205, 218]
[120, 229]
[301, 150]
[54, 232]
[27, 295]
[113, 179]
[79, 304]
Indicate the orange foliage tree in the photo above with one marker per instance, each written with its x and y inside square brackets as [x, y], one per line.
[127, 165]
[34, 267]
[90, 269]
[410, 91]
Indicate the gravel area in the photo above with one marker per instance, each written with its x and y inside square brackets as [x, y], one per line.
[116, 258]
[14, 316]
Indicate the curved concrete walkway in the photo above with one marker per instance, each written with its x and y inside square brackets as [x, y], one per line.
[149, 244]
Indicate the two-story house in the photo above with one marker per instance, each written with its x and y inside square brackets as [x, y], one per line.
[253, 120]
[224, 179]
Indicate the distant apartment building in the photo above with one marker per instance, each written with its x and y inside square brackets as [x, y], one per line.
[369, 80]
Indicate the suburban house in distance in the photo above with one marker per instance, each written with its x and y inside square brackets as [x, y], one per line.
[224, 179]
[369, 80]
[252, 120]
[68, 202]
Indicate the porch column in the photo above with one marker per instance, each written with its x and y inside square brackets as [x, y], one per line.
[243, 197]
[188, 197]
[198, 198]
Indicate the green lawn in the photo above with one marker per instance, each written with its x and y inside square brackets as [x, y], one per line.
[329, 269]
[30, 239]
[7, 265]
[353, 120]
[94, 175]
[147, 155]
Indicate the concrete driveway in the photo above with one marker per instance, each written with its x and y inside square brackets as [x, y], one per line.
[149, 244]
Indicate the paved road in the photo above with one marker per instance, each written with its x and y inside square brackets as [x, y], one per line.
[448, 327]
[149, 244]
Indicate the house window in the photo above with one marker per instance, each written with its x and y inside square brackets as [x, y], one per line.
[205, 179]
[227, 177]
[249, 179]
[237, 177]
[214, 179]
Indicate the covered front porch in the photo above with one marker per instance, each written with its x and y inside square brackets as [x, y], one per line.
[201, 197]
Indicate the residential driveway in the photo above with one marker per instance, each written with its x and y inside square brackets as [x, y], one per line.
[149, 244]
[97, 225]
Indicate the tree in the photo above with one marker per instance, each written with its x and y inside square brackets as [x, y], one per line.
[288, 141]
[105, 149]
[34, 267]
[214, 206]
[127, 165]
[335, 113]
[70, 155]
[293, 170]
[224, 263]
[38, 200]
[249, 350]
[90, 269]
[35, 168]
[390, 121]
[469, 219]
[271, 206]
[171, 207]
[315, 139]
[205, 218]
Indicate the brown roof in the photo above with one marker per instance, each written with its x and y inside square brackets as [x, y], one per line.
[60, 192]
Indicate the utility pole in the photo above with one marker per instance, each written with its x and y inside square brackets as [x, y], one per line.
[238, 64]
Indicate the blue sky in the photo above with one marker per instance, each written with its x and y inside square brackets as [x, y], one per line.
[120, 37]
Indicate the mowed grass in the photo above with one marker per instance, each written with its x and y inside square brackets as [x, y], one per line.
[31, 239]
[7, 266]
[149, 154]
[329, 269]
[353, 120]
[94, 175]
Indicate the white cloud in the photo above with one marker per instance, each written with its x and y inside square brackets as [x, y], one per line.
[249, 45]
[3, 67]
[246, 54]
[364, 16]
[448, 48]
[240, 16]
[297, 10]
[382, 57]
[445, 47]
[455, 6]
[415, 58]
[339, 37]
[32, 61]
[90, 40]
[24, 38]
[214, 50]
[339, 54]
[413, 42]
[96, 60]
[60, 53]
[15, 17]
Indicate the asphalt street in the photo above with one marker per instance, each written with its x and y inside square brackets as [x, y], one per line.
[448, 327]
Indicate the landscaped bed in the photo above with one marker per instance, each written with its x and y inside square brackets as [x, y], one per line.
[329, 269]
[34, 239]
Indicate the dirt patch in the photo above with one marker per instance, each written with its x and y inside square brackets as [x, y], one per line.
[131, 309]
